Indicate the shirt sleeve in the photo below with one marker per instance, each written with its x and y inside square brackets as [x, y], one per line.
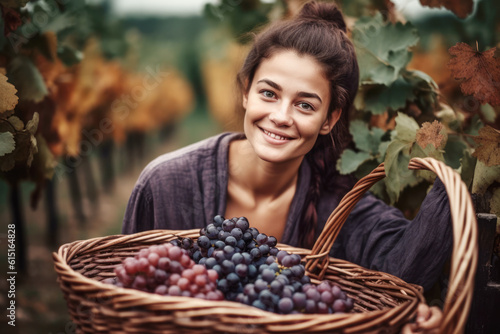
[139, 215]
[377, 236]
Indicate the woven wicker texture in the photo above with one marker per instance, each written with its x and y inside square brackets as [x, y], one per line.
[383, 303]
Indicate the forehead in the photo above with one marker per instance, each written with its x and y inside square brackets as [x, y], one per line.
[294, 71]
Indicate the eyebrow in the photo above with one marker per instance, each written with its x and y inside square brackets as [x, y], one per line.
[300, 94]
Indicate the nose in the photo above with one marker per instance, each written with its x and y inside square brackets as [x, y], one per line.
[281, 116]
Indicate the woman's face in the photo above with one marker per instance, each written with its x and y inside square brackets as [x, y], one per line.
[287, 107]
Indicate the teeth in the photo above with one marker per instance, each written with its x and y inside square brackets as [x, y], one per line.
[272, 135]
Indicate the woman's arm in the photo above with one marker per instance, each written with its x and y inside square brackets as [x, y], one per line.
[139, 215]
[378, 236]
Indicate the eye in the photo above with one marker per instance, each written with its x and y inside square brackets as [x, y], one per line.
[268, 94]
[305, 106]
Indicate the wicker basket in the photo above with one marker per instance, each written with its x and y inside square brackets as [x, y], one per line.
[383, 303]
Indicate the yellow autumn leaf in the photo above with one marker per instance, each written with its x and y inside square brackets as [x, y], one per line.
[8, 97]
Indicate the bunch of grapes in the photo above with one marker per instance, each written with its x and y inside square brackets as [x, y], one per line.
[168, 270]
[235, 251]
[232, 261]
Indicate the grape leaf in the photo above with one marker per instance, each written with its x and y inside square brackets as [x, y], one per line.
[27, 79]
[461, 8]
[478, 71]
[350, 161]
[467, 167]
[8, 97]
[488, 150]
[367, 140]
[406, 128]
[454, 151]
[431, 133]
[379, 98]
[484, 176]
[7, 143]
[396, 169]
[382, 49]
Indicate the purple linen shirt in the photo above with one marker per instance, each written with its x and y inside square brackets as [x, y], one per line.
[186, 188]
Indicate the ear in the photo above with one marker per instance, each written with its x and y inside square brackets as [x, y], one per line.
[330, 122]
[245, 101]
[245, 95]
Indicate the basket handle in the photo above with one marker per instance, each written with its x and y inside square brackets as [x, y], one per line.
[464, 256]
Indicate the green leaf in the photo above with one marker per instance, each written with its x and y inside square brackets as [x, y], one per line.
[454, 151]
[382, 48]
[7, 143]
[349, 161]
[27, 79]
[484, 176]
[367, 140]
[382, 149]
[468, 165]
[380, 98]
[392, 168]
[425, 90]
[372, 70]
[59, 23]
[406, 128]
[475, 125]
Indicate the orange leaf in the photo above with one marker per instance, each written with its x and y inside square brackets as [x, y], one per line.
[430, 133]
[479, 72]
[488, 150]
[461, 8]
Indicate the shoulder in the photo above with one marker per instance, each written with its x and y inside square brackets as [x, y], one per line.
[189, 160]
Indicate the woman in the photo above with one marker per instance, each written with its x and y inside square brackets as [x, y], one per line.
[297, 83]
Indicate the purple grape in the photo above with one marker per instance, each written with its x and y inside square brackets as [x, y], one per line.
[204, 242]
[237, 233]
[272, 241]
[228, 225]
[268, 275]
[299, 299]
[242, 223]
[241, 270]
[261, 238]
[339, 305]
[218, 220]
[285, 305]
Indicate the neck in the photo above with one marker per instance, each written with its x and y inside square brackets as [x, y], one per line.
[258, 177]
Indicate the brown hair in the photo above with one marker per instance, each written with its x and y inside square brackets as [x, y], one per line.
[319, 30]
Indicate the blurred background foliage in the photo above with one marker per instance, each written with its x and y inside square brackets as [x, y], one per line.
[89, 95]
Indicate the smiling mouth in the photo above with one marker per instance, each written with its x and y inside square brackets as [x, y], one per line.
[275, 136]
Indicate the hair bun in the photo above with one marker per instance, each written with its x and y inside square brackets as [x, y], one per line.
[323, 11]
